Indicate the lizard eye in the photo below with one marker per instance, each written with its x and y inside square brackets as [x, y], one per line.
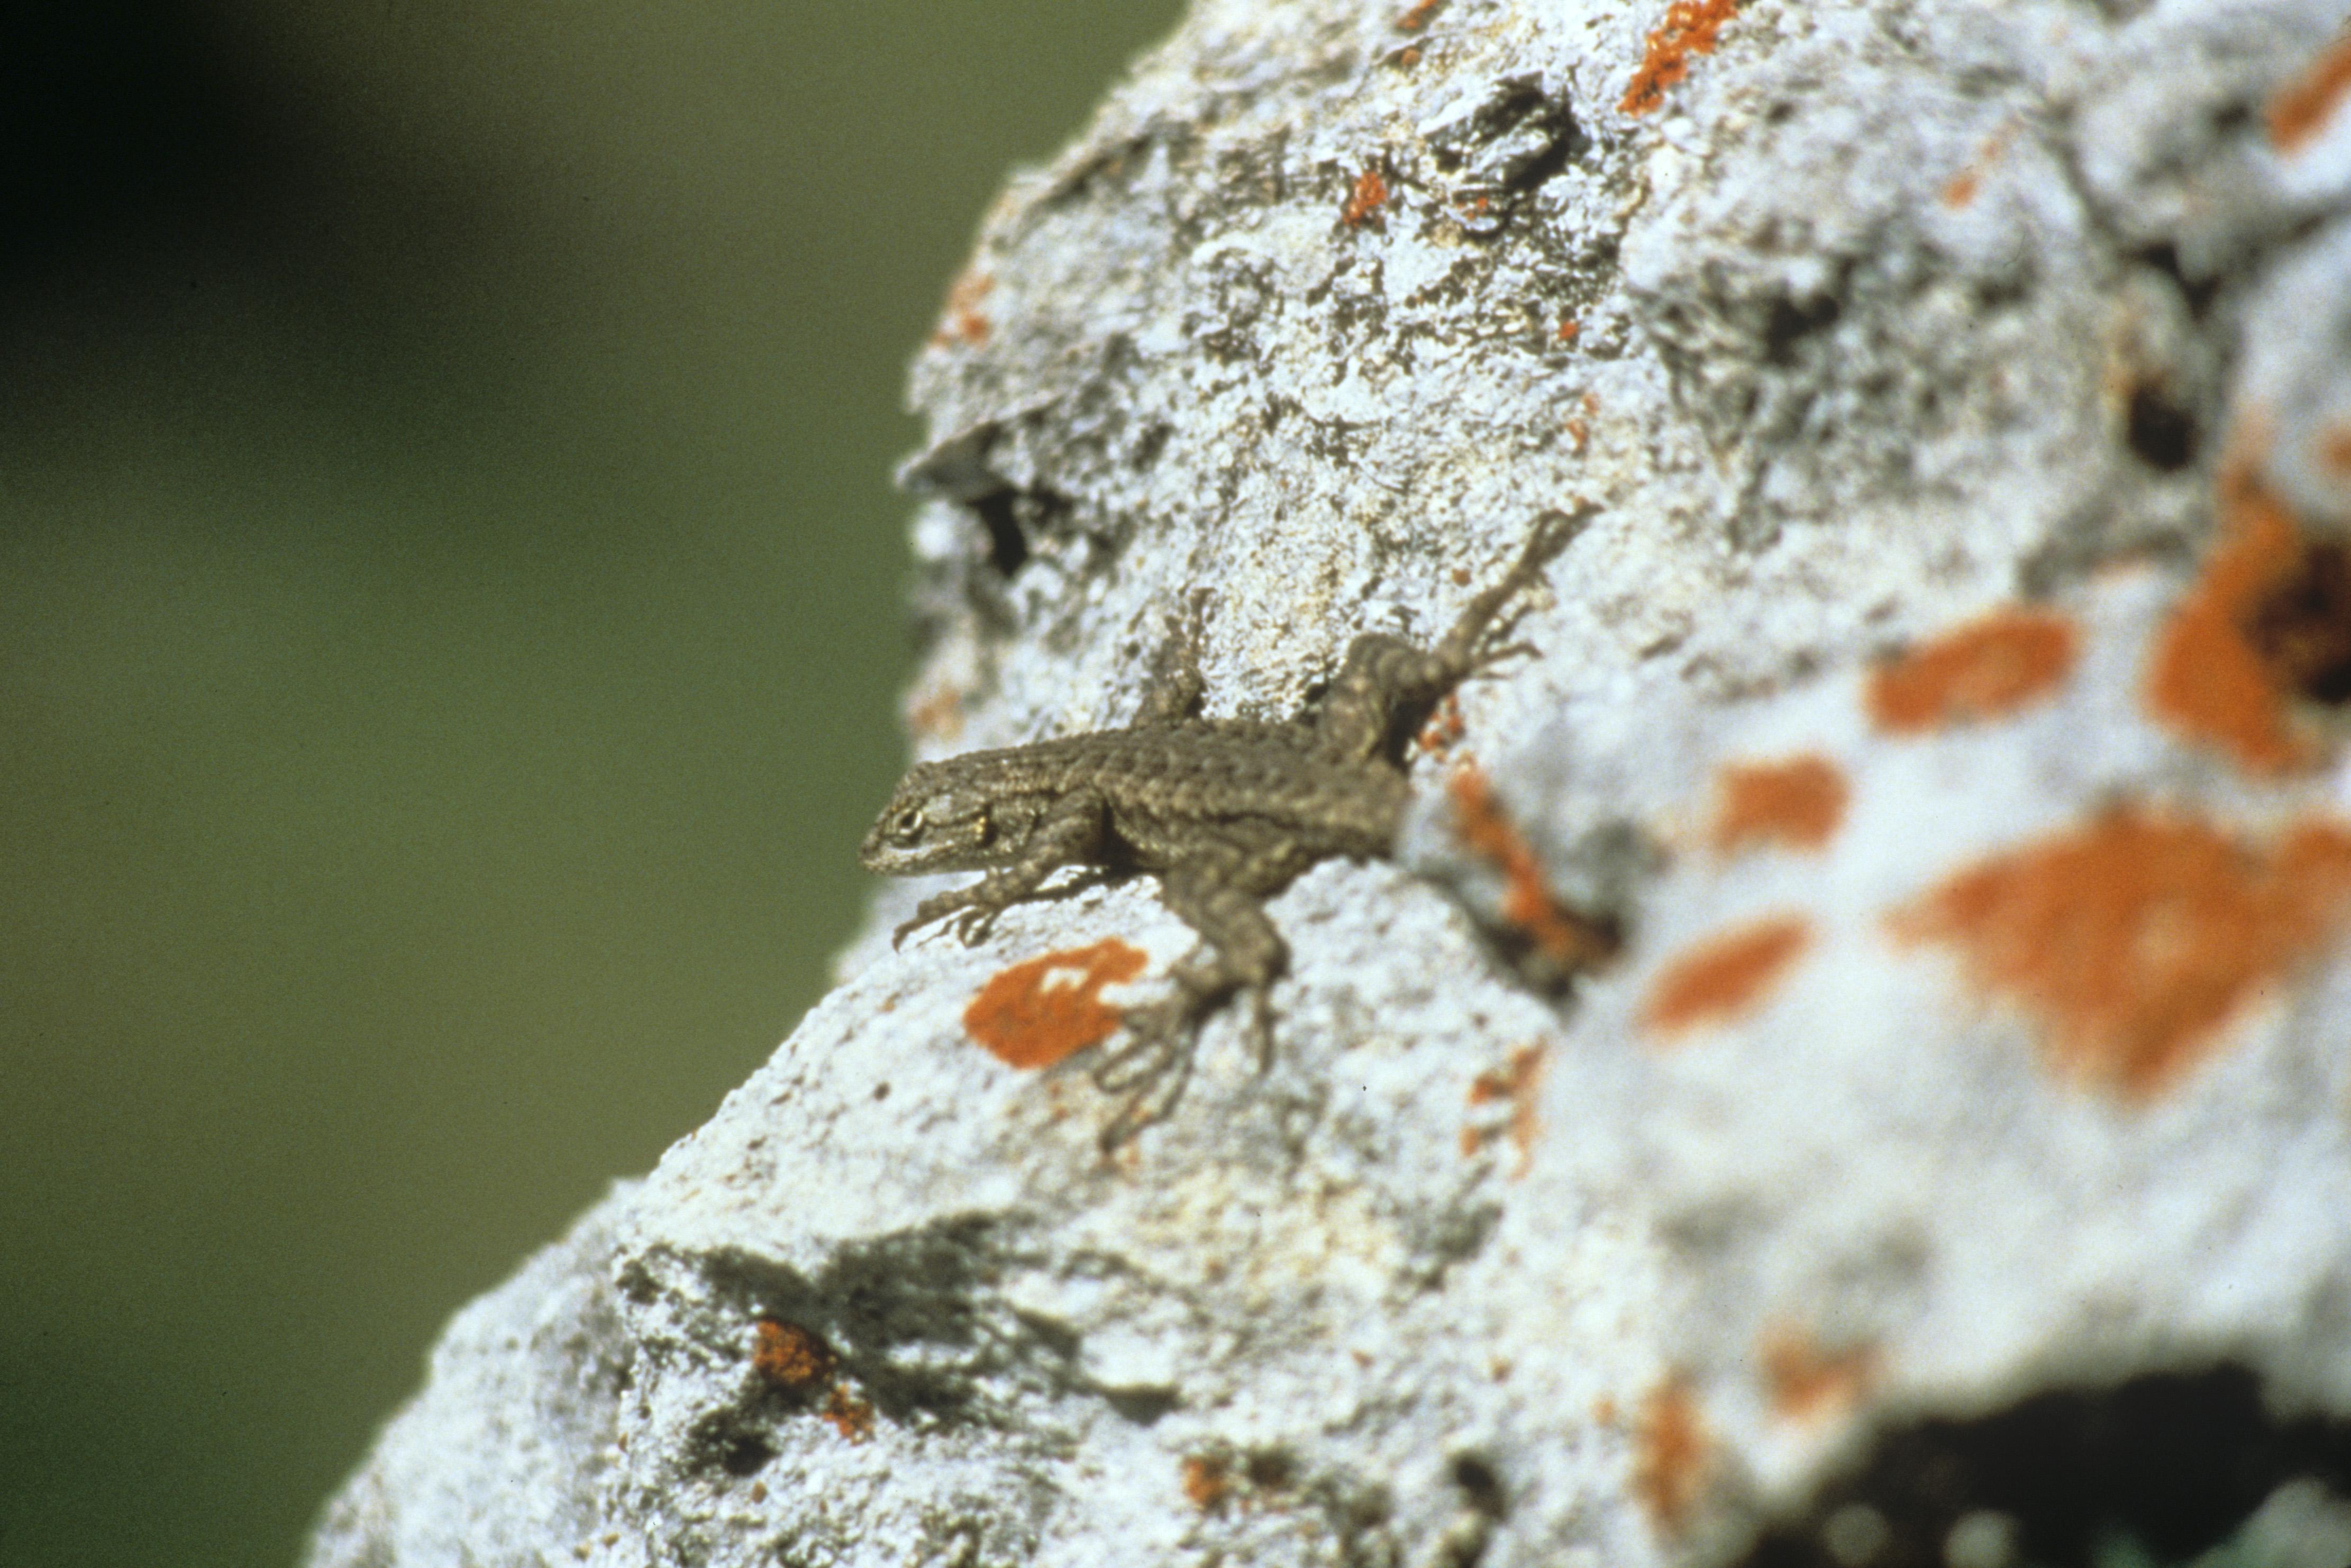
[907, 824]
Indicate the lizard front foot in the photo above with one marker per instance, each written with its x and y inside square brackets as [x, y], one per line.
[1150, 1093]
[970, 922]
[1150, 1069]
[1156, 1064]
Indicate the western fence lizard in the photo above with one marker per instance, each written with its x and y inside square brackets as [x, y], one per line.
[1224, 812]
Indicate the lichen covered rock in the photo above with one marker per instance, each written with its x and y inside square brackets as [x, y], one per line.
[1850, 1064]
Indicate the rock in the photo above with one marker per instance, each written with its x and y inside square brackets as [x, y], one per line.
[1949, 1161]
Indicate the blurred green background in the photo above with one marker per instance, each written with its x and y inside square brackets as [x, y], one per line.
[449, 638]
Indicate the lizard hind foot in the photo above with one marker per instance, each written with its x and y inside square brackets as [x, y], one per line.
[1555, 528]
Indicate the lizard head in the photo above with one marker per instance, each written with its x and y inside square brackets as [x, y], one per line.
[938, 819]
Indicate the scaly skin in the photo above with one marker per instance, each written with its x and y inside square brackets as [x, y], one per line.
[1224, 812]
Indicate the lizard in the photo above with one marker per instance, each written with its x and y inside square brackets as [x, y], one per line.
[1225, 812]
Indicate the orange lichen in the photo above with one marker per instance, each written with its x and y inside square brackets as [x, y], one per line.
[1205, 1481]
[851, 1416]
[1518, 1084]
[1797, 803]
[959, 319]
[2209, 680]
[1808, 1382]
[1443, 730]
[1983, 670]
[1365, 201]
[2334, 448]
[1724, 976]
[1570, 329]
[1414, 20]
[2133, 940]
[1036, 1013]
[2298, 111]
[791, 1357]
[1691, 27]
[1673, 1454]
[1962, 186]
[1490, 1086]
[1559, 934]
[936, 713]
[1578, 434]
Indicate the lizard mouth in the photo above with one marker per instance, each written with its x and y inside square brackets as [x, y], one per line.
[874, 854]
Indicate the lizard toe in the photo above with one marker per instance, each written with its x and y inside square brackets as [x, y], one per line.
[1150, 1093]
[1261, 1028]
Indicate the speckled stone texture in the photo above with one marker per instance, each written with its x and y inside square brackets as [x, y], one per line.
[1941, 712]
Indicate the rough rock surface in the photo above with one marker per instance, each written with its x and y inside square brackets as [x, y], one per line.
[1953, 1164]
